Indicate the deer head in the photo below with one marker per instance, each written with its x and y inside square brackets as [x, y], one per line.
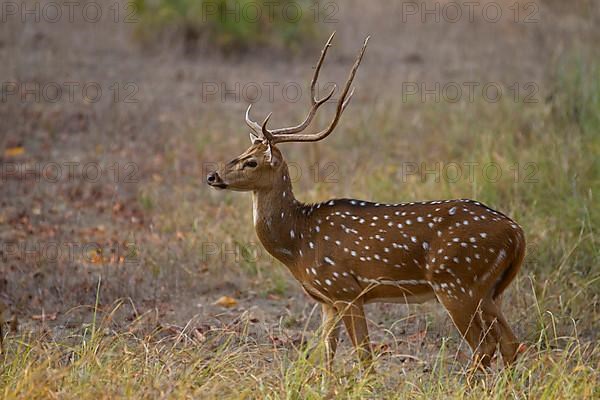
[254, 169]
[262, 163]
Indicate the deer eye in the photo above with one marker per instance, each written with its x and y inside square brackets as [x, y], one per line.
[250, 164]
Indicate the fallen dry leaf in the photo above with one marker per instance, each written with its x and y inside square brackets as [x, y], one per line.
[226, 301]
[44, 317]
[95, 256]
[14, 151]
[157, 178]
[118, 206]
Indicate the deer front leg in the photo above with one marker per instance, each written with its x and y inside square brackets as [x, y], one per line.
[331, 331]
[353, 315]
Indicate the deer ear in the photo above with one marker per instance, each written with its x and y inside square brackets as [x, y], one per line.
[269, 154]
[273, 157]
[254, 139]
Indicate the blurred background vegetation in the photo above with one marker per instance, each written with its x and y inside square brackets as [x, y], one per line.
[230, 26]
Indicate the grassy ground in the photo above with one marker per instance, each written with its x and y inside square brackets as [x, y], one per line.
[142, 317]
[554, 303]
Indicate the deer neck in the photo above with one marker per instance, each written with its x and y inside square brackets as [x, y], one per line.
[276, 217]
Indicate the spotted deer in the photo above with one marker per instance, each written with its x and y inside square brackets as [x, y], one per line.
[346, 253]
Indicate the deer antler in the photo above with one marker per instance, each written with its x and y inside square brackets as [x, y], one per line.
[290, 134]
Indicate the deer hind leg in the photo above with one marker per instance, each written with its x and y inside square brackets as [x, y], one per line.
[331, 329]
[469, 318]
[509, 343]
[353, 315]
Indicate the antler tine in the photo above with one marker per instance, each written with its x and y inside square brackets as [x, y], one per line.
[253, 125]
[341, 106]
[315, 104]
[265, 131]
[313, 83]
[347, 101]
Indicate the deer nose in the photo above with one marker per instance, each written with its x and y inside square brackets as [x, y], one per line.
[212, 177]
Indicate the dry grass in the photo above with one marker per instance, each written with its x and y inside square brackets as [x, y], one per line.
[226, 362]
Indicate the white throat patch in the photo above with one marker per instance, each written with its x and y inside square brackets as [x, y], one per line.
[255, 209]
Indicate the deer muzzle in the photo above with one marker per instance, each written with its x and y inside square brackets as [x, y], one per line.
[213, 179]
